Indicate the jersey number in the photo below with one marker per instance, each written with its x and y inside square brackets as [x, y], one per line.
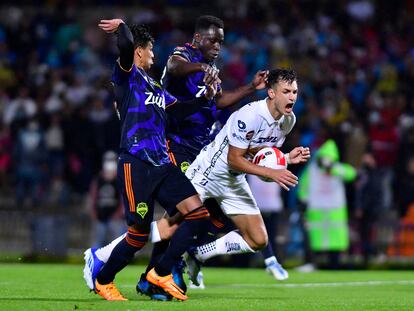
[201, 91]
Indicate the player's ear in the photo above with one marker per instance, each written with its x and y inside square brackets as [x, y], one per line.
[197, 37]
[271, 93]
[138, 51]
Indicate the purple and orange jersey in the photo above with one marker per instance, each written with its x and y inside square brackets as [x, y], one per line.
[192, 133]
[141, 102]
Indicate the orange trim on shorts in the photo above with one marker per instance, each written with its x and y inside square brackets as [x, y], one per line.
[170, 153]
[198, 214]
[135, 233]
[128, 187]
[134, 243]
[217, 223]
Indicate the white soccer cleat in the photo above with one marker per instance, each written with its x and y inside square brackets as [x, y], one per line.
[277, 271]
[306, 268]
[92, 267]
[200, 280]
[193, 266]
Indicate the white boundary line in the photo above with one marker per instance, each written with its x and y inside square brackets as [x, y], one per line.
[330, 284]
[301, 285]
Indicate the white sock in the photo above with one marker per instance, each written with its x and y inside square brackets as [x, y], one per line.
[269, 260]
[231, 243]
[104, 252]
[155, 233]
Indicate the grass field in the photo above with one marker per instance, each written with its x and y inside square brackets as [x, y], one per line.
[61, 287]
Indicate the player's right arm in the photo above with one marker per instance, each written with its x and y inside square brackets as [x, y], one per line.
[125, 40]
[179, 66]
[283, 177]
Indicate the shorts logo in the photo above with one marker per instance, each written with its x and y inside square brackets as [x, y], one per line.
[184, 166]
[142, 209]
[241, 124]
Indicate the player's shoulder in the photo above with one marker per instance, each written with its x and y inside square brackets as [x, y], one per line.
[252, 110]
[186, 50]
[288, 123]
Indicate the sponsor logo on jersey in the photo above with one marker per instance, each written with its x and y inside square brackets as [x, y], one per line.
[271, 139]
[241, 125]
[142, 209]
[155, 99]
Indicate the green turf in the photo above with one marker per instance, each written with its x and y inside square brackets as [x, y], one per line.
[61, 287]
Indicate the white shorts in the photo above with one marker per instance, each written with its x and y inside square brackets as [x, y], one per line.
[233, 195]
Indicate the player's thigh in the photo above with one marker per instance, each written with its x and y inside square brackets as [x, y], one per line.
[252, 228]
[177, 192]
[137, 181]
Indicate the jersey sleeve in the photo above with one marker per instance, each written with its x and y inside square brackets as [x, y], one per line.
[120, 75]
[183, 52]
[169, 99]
[286, 127]
[241, 128]
[288, 123]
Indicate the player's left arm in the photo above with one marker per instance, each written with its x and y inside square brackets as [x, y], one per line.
[182, 109]
[229, 98]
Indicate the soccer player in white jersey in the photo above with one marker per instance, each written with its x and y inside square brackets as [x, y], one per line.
[219, 170]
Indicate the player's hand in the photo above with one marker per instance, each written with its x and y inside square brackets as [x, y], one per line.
[211, 90]
[210, 74]
[284, 178]
[110, 25]
[299, 155]
[260, 79]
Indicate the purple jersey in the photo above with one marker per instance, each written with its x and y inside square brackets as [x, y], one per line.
[141, 101]
[192, 133]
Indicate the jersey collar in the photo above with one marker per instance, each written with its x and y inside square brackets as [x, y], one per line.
[265, 113]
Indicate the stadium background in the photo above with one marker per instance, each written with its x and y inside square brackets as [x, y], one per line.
[355, 61]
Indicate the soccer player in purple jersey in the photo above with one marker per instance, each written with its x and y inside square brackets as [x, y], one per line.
[189, 71]
[145, 172]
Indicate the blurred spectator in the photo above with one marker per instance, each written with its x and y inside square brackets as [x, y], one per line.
[367, 205]
[5, 156]
[106, 203]
[322, 190]
[30, 158]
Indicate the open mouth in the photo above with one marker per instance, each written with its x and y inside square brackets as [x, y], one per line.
[289, 106]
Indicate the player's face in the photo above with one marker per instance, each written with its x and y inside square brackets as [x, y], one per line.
[210, 42]
[284, 94]
[147, 56]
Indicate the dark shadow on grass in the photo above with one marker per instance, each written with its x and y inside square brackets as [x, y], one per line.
[47, 299]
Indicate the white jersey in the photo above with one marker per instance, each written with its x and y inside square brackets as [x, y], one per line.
[252, 127]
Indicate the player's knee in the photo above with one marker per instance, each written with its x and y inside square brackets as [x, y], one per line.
[259, 242]
[137, 236]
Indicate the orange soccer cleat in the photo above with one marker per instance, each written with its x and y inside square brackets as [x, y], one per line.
[108, 291]
[167, 284]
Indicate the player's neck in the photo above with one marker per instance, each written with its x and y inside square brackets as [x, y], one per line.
[139, 63]
[272, 109]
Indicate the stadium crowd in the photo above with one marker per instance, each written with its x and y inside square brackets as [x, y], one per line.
[355, 62]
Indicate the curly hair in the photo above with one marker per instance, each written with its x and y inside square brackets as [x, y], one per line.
[205, 21]
[281, 74]
[141, 34]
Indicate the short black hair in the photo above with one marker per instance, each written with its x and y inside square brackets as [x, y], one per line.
[281, 74]
[141, 34]
[205, 21]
